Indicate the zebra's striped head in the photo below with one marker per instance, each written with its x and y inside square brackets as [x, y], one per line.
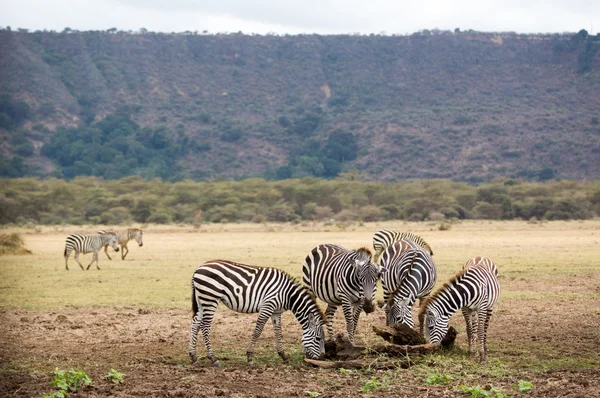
[399, 311]
[436, 325]
[313, 336]
[368, 274]
[138, 237]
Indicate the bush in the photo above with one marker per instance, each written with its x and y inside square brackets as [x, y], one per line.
[160, 217]
[12, 244]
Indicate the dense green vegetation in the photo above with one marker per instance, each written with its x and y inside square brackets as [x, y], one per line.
[466, 106]
[92, 200]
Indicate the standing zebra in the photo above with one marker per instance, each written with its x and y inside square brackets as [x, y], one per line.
[248, 289]
[382, 239]
[339, 276]
[123, 237]
[87, 244]
[411, 274]
[474, 290]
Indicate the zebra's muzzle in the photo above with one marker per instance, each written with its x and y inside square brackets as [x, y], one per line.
[368, 306]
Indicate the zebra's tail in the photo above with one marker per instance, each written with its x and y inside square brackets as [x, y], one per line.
[194, 302]
[65, 253]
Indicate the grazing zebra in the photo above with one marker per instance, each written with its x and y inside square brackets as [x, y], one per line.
[411, 274]
[87, 244]
[248, 289]
[124, 236]
[339, 276]
[474, 290]
[382, 239]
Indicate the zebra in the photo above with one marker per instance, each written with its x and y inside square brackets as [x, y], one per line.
[474, 290]
[382, 239]
[249, 289]
[411, 274]
[339, 276]
[87, 244]
[123, 237]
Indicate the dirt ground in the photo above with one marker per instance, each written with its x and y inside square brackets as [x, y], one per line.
[134, 316]
[150, 347]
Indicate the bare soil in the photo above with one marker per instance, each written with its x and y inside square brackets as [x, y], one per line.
[150, 347]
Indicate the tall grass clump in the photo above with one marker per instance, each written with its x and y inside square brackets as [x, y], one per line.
[12, 244]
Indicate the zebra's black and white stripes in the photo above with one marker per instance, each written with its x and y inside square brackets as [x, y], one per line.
[248, 289]
[123, 237]
[342, 277]
[87, 244]
[411, 274]
[384, 238]
[474, 290]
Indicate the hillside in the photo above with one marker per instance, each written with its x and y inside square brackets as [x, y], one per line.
[466, 106]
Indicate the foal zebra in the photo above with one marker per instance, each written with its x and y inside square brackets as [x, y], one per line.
[474, 290]
[87, 244]
[248, 289]
[411, 274]
[339, 276]
[123, 237]
[382, 239]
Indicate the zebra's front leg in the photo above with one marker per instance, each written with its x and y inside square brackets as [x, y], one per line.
[421, 318]
[276, 318]
[329, 313]
[263, 316]
[77, 259]
[123, 253]
[349, 316]
[386, 308]
[106, 251]
[357, 310]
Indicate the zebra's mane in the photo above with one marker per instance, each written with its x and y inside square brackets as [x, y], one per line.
[442, 289]
[417, 239]
[364, 252]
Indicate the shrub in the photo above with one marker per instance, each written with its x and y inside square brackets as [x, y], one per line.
[160, 217]
[12, 244]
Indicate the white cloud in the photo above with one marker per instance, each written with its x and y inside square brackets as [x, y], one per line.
[306, 16]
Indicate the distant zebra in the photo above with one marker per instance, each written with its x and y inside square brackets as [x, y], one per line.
[123, 237]
[411, 274]
[382, 239]
[474, 290]
[248, 289]
[87, 244]
[342, 277]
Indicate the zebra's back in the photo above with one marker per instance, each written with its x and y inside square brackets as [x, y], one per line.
[242, 288]
[82, 243]
[384, 238]
[412, 269]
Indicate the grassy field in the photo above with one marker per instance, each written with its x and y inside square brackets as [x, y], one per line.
[548, 318]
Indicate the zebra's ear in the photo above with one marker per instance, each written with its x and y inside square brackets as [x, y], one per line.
[382, 270]
[312, 322]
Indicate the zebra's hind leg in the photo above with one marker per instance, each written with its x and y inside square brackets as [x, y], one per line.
[203, 321]
[263, 316]
[484, 322]
[77, 259]
[421, 318]
[329, 313]
[67, 255]
[471, 323]
[276, 318]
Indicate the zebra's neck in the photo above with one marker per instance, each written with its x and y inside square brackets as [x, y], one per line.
[298, 300]
[451, 298]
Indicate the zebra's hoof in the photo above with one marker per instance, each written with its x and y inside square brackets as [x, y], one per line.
[216, 364]
[251, 365]
[193, 358]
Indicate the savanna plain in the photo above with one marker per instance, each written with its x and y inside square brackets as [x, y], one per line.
[134, 315]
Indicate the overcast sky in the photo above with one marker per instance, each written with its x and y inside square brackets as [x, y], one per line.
[304, 16]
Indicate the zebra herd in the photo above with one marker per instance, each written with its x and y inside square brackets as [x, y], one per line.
[337, 276]
[79, 243]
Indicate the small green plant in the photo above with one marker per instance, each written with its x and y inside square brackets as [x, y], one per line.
[438, 379]
[114, 376]
[373, 385]
[312, 393]
[68, 382]
[346, 372]
[477, 392]
[525, 386]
